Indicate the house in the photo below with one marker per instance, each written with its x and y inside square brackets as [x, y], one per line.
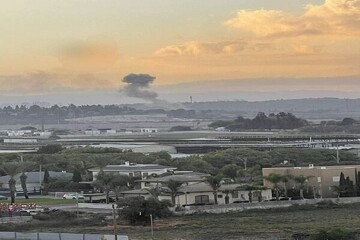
[194, 191]
[322, 179]
[140, 171]
[202, 193]
[34, 180]
[187, 177]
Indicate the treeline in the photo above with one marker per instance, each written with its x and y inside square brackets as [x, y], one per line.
[262, 121]
[347, 125]
[36, 114]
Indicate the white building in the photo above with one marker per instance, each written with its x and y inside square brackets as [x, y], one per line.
[92, 132]
[202, 193]
[19, 133]
[148, 130]
[20, 140]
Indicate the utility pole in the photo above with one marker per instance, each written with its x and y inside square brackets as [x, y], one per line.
[40, 179]
[152, 226]
[114, 222]
[77, 206]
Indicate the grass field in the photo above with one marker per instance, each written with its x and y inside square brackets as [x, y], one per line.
[262, 224]
[42, 201]
[249, 225]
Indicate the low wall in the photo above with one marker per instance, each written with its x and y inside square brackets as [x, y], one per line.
[239, 207]
[96, 205]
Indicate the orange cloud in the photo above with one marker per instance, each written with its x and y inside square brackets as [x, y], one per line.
[89, 56]
[200, 48]
[334, 17]
[321, 42]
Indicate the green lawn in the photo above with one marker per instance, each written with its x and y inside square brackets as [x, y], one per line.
[42, 201]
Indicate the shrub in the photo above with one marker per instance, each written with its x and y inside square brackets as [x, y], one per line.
[334, 234]
[138, 210]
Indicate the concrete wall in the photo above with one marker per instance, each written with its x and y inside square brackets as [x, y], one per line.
[263, 205]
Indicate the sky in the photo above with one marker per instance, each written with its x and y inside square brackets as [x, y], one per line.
[69, 47]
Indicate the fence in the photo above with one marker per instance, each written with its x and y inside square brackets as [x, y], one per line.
[57, 236]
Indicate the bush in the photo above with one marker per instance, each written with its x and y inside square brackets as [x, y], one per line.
[334, 234]
[138, 210]
[50, 149]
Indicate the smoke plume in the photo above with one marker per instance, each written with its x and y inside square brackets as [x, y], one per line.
[137, 86]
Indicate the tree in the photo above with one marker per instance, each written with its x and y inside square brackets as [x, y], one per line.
[285, 180]
[23, 178]
[173, 187]
[346, 186]
[46, 179]
[50, 149]
[11, 169]
[138, 209]
[107, 182]
[154, 191]
[301, 180]
[275, 179]
[76, 176]
[100, 162]
[215, 183]
[230, 171]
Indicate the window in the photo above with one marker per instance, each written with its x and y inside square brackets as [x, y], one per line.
[235, 194]
[145, 175]
[220, 196]
[202, 199]
[131, 174]
[336, 179]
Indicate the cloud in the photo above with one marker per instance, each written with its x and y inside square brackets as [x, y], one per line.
[333, 18]
[89, 56]
[196, 48]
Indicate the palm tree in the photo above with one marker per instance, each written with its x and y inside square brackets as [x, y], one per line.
[275, 179]
[215, 183]
[174, 187]
[285, 180]
[23, 178]
[109, 181]
[301, 180]
[11, 169]
[154, 192]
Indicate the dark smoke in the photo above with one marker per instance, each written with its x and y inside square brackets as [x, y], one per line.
[137, 85]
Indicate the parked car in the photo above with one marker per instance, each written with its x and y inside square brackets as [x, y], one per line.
[73, 196]
[2, 197]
